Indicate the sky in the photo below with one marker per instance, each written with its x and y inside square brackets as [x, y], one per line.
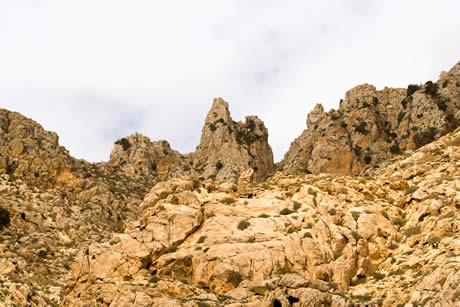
[96, 71]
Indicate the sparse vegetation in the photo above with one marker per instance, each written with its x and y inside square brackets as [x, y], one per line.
[286, 211]
[124, 143]
[228, 200]
[425, 137]
[355, 215]
[243, 224]
[394, 149]
[4, 218]
[284, 270]
[172, 249]
[356, 235]
[412, 88]
[431, 89]
[378, 276]
[297, 205]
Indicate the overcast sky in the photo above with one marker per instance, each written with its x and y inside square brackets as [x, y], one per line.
[95, 71]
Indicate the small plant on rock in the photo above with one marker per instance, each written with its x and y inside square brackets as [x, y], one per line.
[243, 224]
[4, 218]
[228, 200]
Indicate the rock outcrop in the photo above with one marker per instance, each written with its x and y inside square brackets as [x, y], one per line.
[228, 148]
[136, 155]
[371, 126]
[152, 227]
[333, 240]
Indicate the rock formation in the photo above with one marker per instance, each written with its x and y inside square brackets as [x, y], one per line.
[152, 227]
[332, 240]
[371, 126]
[137, 155]
[228, 148]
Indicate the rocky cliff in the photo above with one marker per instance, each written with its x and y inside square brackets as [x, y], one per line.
[153, 227]
[370, 126]
[305, 240]
[228, 148]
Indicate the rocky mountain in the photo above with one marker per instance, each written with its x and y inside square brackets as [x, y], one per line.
[375, 225]
[305, 240]
[371, 126]
[228, 148]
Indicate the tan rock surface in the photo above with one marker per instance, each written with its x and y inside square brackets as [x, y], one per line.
[370, 126]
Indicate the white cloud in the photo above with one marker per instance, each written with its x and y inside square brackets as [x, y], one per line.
[97, 70]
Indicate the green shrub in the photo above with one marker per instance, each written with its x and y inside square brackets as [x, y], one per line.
[356, 235]
[154, 279]
[284, 270]
[219, 164]
[172, 249]
[332, 211]
[401, 116]
[264, 215]
[243, 224]
[362, 128]
[297, 205]
[355, 215]
[227, 200]
[412, 88]
[431, 89]
[359, 281]
[362, 298]
[367, 159]
[307, 235]
[4, 218]
[414, 230]
[127, 277]
[286, 211]
[394, 149]
[398, 221]
[201, 239]
[234, 277]
[212, 127]
[379, 276]
[425, 137]
[124, 143]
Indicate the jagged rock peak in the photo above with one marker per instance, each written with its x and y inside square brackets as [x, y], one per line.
[371, 126]
[137, 155]
[228, 148]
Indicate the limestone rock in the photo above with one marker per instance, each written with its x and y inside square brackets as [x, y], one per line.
[228, 148]
[371, 126]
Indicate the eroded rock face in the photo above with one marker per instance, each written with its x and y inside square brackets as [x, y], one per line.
[371, 126]
[29, 151]
[137, 155]
[339, 234]
[228, 148]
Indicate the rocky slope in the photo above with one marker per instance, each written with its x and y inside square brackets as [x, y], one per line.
[371, 126]
[226, 149]
[153, 227]
[301, 240]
